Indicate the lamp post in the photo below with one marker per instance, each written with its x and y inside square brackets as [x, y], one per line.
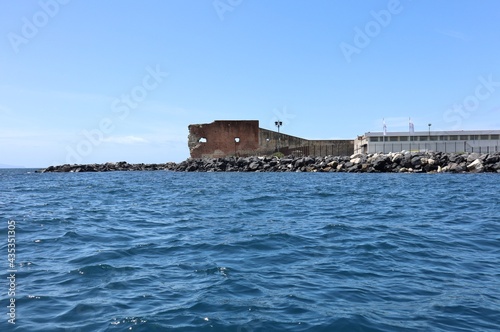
[429, 138]
[278, 124]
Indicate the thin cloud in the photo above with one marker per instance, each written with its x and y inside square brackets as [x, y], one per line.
[124, 140]
[454, 34]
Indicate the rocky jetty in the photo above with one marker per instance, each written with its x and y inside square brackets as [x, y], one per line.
[109, 167]
[398, 162]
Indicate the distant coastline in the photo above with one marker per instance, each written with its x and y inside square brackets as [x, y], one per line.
[11, 166]
[394, 162]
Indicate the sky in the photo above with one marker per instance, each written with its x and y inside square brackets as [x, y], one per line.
[120, 80]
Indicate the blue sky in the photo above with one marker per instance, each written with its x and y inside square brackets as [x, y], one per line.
[96, 81]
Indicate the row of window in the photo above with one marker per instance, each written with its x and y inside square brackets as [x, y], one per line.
[434, 138]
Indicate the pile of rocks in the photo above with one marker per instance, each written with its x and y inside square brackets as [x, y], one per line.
[107, 167]
[400, 162]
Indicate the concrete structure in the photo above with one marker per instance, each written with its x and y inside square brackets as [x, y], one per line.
[482, 141]
[244, 138]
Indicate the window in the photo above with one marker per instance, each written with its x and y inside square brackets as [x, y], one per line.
[403, 138]
[494, 136]
[393, 138]
[464, 137]
[484, 137]
[453, 138]
[236, 139]
[202, 140]
[474, 137]
[373, 139]
[443, 138]
[434, 138]
[422, 138]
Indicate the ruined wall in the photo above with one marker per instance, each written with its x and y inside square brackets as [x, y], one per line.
[220, 141]
[331, 147]
[270, 142]
[223, 138]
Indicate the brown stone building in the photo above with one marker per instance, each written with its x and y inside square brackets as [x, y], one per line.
[244, 138]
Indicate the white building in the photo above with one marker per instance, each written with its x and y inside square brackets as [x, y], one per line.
[482, 141]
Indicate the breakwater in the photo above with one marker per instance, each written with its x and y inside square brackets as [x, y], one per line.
[394, 162]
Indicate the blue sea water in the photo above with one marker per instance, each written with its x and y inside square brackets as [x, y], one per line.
[158, 251]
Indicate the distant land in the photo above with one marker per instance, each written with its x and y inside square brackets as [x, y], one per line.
[10, 166]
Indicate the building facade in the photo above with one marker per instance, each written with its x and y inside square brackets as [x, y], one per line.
[482, 141]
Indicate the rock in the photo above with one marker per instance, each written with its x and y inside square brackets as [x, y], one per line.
[365, 167]
[299, 163]
[397, 158]
[416, 161]
[492, 159]
[356, 155]
[483, 157]
[379, 164]
[333, 164]
[454, 168]
[472, 157]
[309, 161]
[476, 166]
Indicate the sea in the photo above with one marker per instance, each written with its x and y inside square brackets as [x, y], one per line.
[247, 252]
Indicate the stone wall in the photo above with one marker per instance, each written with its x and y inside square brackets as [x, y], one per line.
[244, 138]
[272, 141]
[223, 138]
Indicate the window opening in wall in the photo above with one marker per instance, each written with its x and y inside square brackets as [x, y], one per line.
[237, 139]
[202, 140]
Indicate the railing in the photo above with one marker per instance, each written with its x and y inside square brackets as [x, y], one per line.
[447, 147]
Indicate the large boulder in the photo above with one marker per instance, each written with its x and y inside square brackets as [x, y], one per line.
[476, 166]
[416, 161]
[253, 166]
[472, 157]
[379, 163]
